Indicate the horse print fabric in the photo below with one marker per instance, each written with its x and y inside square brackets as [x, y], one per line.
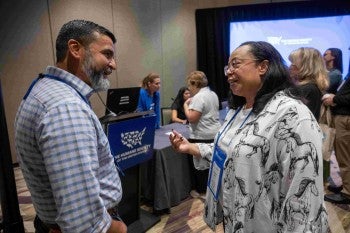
[272, 179]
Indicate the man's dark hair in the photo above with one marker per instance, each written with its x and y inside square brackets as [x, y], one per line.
[81, 30]
[276, 78]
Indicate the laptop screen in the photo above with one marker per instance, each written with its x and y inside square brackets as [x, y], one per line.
[122, 100]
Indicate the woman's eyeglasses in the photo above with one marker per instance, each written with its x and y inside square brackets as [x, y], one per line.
[236, 64]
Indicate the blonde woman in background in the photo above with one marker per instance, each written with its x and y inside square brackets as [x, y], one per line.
[309, 72]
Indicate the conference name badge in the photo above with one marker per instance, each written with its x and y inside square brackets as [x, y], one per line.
[216, 171]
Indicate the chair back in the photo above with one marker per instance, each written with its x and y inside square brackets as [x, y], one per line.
[166, 115]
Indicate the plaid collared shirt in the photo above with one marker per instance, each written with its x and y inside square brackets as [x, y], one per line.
[65, 155]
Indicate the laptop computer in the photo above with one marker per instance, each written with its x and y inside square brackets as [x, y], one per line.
[122, 100]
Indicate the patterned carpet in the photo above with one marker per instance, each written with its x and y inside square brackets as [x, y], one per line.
[338, 214]
[187, 217]
[334, 178]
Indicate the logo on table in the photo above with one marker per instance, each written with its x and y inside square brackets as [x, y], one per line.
[132, 138]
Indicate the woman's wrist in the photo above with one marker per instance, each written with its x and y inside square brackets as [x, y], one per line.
[194, 150]
[186, 111]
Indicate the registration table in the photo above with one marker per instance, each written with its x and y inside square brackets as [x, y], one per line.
[165, 179]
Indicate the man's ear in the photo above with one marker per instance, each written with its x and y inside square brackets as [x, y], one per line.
[263, 66]
[74, 48]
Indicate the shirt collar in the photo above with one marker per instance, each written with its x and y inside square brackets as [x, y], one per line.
[72, 80]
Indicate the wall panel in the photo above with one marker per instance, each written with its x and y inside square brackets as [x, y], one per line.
[156, 35]
[178, 38]
[98, 11]
[139, 48]
[25, 50]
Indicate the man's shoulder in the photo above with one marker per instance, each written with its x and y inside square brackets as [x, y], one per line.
[51, 93]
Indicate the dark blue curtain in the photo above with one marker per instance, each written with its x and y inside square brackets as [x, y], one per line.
[11, 221]
[212, 27]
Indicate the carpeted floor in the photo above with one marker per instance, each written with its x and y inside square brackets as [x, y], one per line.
[187, 217]
[338, 214]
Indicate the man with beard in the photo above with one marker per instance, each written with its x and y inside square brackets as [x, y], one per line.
[62, 149]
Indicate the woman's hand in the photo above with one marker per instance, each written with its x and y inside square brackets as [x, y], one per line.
[188, 101]
[192, 116]
[182, 145]
[178, 142]
[117, 227]
[327, 100]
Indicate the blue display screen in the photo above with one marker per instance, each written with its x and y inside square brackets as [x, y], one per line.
[287, 35]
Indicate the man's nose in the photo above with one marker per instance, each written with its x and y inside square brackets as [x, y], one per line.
[113, 64]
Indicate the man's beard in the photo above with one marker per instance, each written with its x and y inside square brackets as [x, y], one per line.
[98, 82]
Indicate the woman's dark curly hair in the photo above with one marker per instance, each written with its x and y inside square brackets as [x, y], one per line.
[275, 79]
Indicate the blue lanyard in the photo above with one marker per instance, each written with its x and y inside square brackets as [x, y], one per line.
[231, 121]
[116, 162]
[57, 79]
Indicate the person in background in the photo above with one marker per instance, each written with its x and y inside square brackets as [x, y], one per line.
[149, 98]
[333, 58]
[177, 109]
[340, 108]
[202, 113]
[308, 71]
[62, 149]
[266, 160]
